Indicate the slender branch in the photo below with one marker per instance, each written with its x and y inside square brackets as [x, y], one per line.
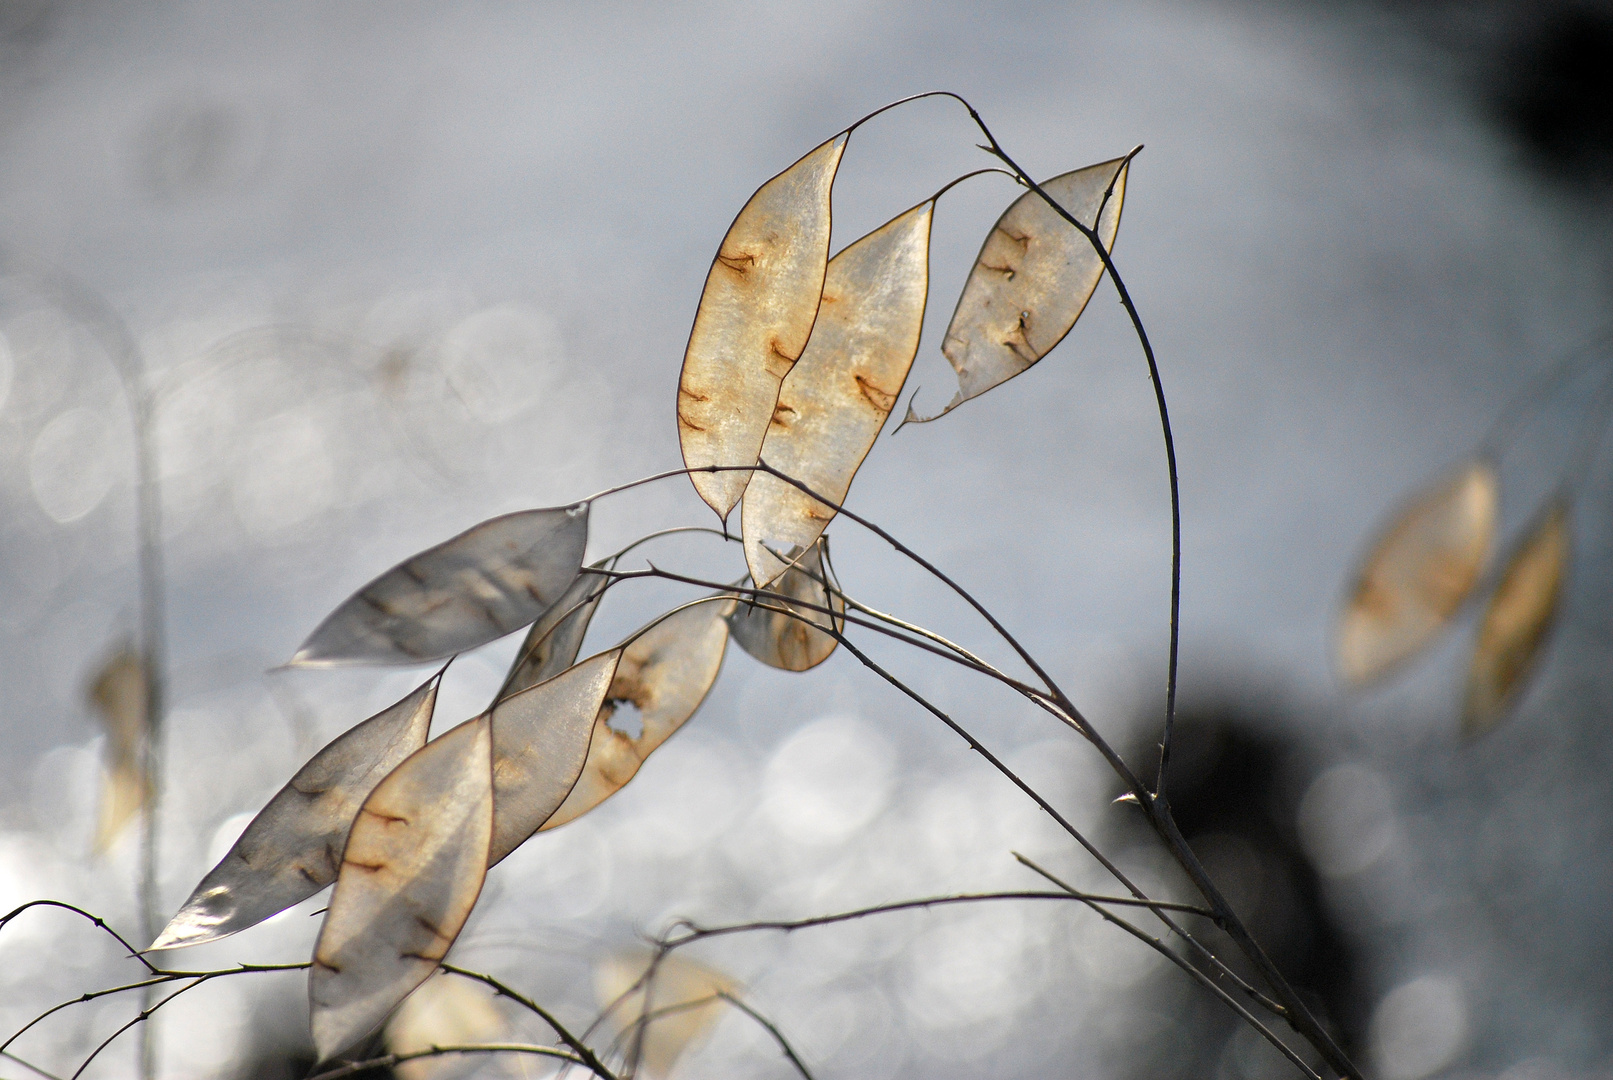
[1299, 1016]
[158, 978]
[771, 1029]
[81, 999]
[769, 600]
[586, 1057]
[124, 354]
[388, 1061]
[29, 1065]
[1223, 915]
[1013, 642]
[1209, 984]
[93, 918]
[1116, 762]
[997, 763]
[641, 1024]
[1255, 995]
[139, 1018]
[1091, 234]
[689, 932]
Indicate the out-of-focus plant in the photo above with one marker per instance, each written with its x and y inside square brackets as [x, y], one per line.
[794, 364]
[1433, 557]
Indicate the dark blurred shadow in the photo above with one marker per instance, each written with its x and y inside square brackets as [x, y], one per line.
[1541, 73]
[1235, 783]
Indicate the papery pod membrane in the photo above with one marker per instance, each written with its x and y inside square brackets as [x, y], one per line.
[443, 1011]
[413, 867]
[785, 641]
[1419, 573]
[293, 848]
[755, 316]
[681, 999]
[665, 673]
[1031, 281]
[540, 743]
[118, 695]
[837, 397]
[551, 646]
[484, 583]
[124, 794]
[1517, 621]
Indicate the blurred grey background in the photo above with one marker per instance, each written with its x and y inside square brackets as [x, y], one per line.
[398, 268]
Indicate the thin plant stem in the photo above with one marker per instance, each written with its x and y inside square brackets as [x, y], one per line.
[124, 354]
[768, 599]
[1299, 1016]
[587, 1057]
[94, 919]
[30, 1066]
[688, 932]
[140, 1018]
[1092, 237]
[1255, 995]
[1209, 984]
[388, 1061]
[1116, 762]
[772, 1029]
[1294, 1009]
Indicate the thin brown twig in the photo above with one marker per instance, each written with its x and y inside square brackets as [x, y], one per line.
[1092, 237]
[139, 1018]
[1159, 816]
[1292, 1008]
[1255, 995]
[772, 1029]
[640, 1025]
[755, 597]
[25, 1063]
[585, 1055]
[1116, 762]
[160, 978]
[1209, 984]
[93, 918]
[692, 932]
[387, 1061]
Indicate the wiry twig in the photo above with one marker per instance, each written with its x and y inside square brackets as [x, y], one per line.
[94, 919]
[1115, 761]
[586, 1056]
[766, 598]
[772, 1029]
[388, 1061]
[1295, 1011]
[1208, 983]
[690, 932]
[48, 1075]
[159, 978]
[1091, 234]
[1255, 995]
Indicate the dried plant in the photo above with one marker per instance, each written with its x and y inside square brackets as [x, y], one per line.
[1437, 553]
[794, 365]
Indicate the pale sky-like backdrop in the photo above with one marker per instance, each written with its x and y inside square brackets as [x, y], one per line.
[395, 269]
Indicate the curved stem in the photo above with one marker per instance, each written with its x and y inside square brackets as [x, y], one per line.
[1164, 421]
[124, 355]
[772, 1029]
[691, 932]
[1158, 809]
[580, 1048]
[93, 918]
[389, 1061]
